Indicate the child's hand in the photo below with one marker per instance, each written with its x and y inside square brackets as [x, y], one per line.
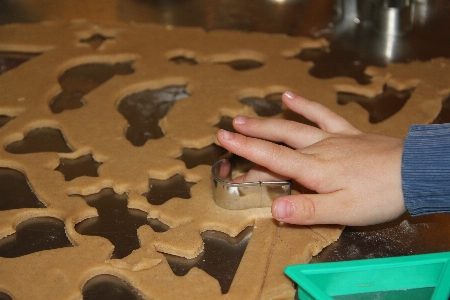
[357, 175]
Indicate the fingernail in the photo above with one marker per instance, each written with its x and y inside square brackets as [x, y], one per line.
[226, 135]
[282, 209]
[240, 120]
[290, 94]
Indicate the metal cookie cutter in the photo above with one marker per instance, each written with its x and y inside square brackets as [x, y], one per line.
[245, 195]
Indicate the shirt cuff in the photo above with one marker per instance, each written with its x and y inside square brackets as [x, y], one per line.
[426, 169]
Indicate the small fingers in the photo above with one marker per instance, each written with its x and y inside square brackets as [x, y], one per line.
[325, 118]
[293, 134]
[279, 159]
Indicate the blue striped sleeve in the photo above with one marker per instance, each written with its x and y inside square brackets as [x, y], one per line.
[426, 169]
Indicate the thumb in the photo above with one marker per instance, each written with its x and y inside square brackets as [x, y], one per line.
[309, 209]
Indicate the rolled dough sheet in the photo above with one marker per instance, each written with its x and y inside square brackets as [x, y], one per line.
[98, 128]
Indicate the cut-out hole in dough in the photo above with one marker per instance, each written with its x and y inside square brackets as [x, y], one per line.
[264, 107]
[382, 106]
[109, 287]
[33, 235]
[163, 190]
[4, 120]
[220, 258]
[244, 64]
[82, 166]
[10, 60]
[205, 156]
[444, 115]
[95, 40]
[4, 296]
[183, 60]
[15, 192]
[80, 80]
[144, 110]
[335, 63]
[226, 123]
[115, 221]
[44, 139]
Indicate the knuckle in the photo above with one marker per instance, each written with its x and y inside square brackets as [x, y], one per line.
[306, 210]
[273, 151]
[290, 126]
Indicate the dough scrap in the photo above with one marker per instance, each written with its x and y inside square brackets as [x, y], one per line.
[97, 129]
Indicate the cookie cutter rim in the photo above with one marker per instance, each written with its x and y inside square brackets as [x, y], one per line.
[229, 195]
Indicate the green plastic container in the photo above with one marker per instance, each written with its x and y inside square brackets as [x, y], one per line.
[424, 276]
